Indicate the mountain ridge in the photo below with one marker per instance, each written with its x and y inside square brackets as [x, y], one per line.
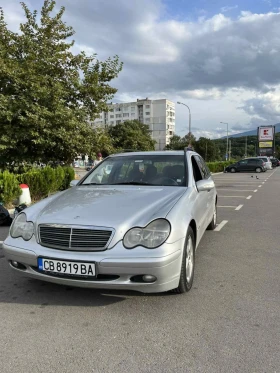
[252, 132]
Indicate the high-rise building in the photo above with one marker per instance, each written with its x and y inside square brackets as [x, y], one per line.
[158, 114]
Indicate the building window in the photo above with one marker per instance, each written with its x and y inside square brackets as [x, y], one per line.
[125, 115]
[132, 108]
[118, 115]
[133, 114]
[170, 133]
[147, 106]
[118, 109]
[147, 113]
[118, 121]
[111, 116]
[147, 120]
[112, 122]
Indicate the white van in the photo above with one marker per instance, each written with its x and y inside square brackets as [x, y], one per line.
[267, 162]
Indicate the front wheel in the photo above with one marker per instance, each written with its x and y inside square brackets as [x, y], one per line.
[213, 223]
[187, 268]
[258, 170]
[232, 170]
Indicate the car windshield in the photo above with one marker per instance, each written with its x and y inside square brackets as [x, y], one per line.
[167, 170]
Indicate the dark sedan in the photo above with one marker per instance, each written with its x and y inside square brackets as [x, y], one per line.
[247, 165]
[275, 162]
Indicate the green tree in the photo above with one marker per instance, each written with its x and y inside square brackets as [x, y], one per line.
[178, 143]
[48, 95]
[206, 148]
[131, 135]
[102, 142]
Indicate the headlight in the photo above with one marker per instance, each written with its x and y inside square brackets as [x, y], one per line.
[22, 228]
[151, 236]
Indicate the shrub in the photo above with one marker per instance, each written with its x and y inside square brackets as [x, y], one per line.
[218, 166]
[9, 188]
[41, 181]
[69, 175]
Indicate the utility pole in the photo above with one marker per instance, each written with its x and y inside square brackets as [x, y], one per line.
[227, 140]
[229, 152]
[190, 119]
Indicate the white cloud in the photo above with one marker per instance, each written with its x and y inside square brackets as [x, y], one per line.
[218, 64]
[225, 9]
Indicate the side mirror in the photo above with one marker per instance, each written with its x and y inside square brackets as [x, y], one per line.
[205, 185]
[74, 183]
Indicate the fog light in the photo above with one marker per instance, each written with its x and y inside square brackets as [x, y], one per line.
[14, 263]
[149, 278]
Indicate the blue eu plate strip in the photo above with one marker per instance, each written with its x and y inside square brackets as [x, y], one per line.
[40, 263]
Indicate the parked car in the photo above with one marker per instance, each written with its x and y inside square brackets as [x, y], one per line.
[246, 165]
[126, 229]
[89, 165]
[275, 162]
[267, 161]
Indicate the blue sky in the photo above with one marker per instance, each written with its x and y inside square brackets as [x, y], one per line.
[222, 58]
[191, 9]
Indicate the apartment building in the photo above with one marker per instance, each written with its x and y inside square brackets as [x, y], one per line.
[158, 114]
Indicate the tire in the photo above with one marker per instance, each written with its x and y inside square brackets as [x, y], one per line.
[258, 170]
[188, 263]
[232, 170]
[213, 223]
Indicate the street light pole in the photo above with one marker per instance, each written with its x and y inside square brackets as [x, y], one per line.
[190, 119]
[227, 139]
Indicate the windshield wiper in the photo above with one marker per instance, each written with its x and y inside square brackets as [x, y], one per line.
[132, 183]
[92, 184]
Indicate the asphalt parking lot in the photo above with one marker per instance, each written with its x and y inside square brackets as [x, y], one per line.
[229, 322]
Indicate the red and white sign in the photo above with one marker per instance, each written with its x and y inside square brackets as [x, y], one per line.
[266, 133]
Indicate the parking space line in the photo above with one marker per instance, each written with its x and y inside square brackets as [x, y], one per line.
[260, 186]
[228, 207]
[249, 197]
[239, 207]
[255, 191]
[241, 190]
[220, 226]
[232, 197]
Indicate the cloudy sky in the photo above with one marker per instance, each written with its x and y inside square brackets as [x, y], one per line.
[221, 57]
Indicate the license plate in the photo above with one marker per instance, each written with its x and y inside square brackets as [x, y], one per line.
[66, 267]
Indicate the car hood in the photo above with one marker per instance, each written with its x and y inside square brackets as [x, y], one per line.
[120, 207]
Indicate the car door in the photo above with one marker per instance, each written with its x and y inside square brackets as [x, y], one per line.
[211, 194]
[252, 164]
[200, 204]
[243, 165]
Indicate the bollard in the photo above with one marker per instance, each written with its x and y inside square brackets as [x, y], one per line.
[25, 197]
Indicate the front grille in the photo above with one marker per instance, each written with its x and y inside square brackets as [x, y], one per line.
[74, 238]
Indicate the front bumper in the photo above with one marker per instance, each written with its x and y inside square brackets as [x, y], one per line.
[118, 263]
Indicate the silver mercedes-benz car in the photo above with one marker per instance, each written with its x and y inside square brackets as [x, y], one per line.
[133, 222]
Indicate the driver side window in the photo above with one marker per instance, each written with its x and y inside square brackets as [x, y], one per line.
[196, 170]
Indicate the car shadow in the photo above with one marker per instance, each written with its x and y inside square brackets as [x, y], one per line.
[18, 289]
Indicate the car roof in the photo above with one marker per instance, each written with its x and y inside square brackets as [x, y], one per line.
[256, 158]
[157, 152]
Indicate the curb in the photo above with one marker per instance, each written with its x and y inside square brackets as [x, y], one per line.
[217, 173]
